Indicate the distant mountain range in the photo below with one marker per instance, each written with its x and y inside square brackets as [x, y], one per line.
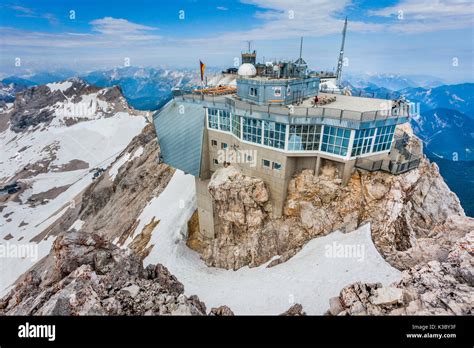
[460, 179]
[144, 88]
[393, 82]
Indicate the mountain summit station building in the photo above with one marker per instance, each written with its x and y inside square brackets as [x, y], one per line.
[275, 123]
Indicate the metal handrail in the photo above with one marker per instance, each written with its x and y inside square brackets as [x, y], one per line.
[300, 111]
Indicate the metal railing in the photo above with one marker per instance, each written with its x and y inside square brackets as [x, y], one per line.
[392, 167]
[403, 167]
[300, 111]
[369, 165]
[400, 143]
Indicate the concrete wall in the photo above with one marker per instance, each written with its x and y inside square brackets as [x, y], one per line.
[275, 180]
[206, 213]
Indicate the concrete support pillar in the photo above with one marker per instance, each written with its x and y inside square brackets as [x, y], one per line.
[318, 166]
[347, 171]
[205, 205]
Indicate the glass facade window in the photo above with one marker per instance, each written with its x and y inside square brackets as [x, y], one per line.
[218, 119]
[224, 120]
[383, 138]
[274, 134]
[335, 140]
[212, 116]
[362, 141]
[304, 138]
[236, 125]
[252, 130]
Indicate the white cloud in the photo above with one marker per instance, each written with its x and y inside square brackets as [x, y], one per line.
[222, 8]
[107, 32]
[30, 13]
[118, 26]
[415, 16]
[23, 10]
[279, 24]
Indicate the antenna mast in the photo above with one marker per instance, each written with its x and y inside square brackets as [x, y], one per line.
[301, 48]
[341, 55]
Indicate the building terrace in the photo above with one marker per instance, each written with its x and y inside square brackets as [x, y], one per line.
[348, 111]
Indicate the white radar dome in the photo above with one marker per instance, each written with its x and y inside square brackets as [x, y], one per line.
[247, 69]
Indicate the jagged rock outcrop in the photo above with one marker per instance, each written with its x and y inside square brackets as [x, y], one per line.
[38, 105]
[222, 311]
[441, 288]
[407, 212]
[86, 275]
[414, 216]
[240, 203]
[294, 311]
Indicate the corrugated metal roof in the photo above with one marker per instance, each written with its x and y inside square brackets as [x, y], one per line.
[179, 127]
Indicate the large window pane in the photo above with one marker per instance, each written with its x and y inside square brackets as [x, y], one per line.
[274, 134]
[336, 140]
[304, 137]
[224, 120]
[212, 117]
[236, 125]
[252, 130]
[362, 141]
[384, 137]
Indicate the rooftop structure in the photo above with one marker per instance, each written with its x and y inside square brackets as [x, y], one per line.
[274, 124]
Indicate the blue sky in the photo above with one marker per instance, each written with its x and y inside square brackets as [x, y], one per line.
[433, 37]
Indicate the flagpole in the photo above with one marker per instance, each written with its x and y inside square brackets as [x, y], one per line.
[202, 78]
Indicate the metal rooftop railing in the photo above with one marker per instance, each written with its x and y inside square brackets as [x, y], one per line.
[300, 111]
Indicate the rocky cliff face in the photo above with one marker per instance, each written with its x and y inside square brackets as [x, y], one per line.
[40, 105]
[247, 235]
[110, 206]
[414, 216]
[86, 275]
[408, 213]
[441, 288]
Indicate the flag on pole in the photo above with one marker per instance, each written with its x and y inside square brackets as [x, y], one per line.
[203, 68]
